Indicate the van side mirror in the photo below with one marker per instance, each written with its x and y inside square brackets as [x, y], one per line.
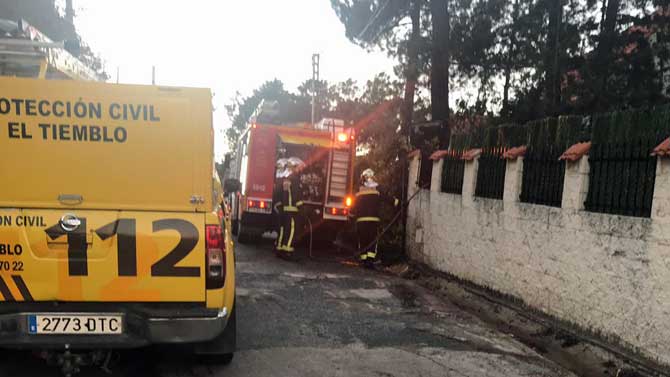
[232, 185]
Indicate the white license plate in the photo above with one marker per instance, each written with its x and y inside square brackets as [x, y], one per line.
[74, 324]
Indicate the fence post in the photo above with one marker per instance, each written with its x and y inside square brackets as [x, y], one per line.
[513, 177]
[436, 178]
[660, 205]
[470, 181]
[576, 184]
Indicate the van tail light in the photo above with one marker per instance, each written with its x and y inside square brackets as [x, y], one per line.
[215, 256]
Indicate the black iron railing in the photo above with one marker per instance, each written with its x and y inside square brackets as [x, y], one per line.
[543, 174]
[452, 173]
[491, 174]
[621, 178]
[425, 171]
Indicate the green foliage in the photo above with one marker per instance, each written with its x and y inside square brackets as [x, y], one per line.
[45, 17]
[614, 127]
[294, 108]
[627, 125]
[529, 59]
[561, 132]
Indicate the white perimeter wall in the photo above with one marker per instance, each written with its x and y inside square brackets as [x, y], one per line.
[609, 274]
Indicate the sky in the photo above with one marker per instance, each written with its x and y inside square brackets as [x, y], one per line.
[228, 46]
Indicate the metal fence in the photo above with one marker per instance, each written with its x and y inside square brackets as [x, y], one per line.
[452, 173]
[621, 179]
[543, 174]
[425, 171]
[491, 174]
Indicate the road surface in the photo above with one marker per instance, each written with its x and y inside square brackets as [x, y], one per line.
[327, 317]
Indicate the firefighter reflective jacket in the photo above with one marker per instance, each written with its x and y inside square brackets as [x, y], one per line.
[291, 195]
[277, 195]
[366, 205]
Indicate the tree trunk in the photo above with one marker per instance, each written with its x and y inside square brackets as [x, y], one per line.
[604, 49]
[439, 91]
[69, 11]
[552, 58]
[505, 102]
[407, 110]
[411, 73]
[608, 27]
[510, 60]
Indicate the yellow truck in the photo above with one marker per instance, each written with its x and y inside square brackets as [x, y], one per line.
[112, 231]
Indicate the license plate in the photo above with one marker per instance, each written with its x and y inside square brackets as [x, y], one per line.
[75, 324]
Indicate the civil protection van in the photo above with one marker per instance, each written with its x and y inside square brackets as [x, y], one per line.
[112, 233]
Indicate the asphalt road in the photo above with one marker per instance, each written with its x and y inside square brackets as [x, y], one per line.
[327, 317]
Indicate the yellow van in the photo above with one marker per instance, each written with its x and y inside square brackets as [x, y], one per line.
[112, 232]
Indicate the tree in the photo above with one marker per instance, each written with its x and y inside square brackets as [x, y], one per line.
[552, 58]
[440, 64]
[381, 23]
[293, 108]
[45, 17]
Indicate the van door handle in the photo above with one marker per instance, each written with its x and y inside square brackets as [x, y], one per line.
[70, 199]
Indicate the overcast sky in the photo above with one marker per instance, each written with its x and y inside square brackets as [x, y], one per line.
[225, 45]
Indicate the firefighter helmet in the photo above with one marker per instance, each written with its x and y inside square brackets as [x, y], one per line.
[281, 168]
[367, 174]
[295, 164]
[368, 179]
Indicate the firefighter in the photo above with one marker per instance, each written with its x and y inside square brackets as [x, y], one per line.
[280, 174]
[290, 207]
[366, 213]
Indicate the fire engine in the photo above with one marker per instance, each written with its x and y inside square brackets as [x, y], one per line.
[327, 148]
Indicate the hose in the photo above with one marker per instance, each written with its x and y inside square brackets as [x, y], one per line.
[309, 222]
[379, 235]
[394, 219]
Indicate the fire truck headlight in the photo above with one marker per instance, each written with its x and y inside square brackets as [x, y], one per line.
[342, 137]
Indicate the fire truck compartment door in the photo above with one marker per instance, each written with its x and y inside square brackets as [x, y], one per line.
[305, 140]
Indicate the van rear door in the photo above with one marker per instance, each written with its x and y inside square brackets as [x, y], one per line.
[104, 192]
[89, 145]
[102, 256]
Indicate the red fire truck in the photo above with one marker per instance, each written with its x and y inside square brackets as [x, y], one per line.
[327, 148]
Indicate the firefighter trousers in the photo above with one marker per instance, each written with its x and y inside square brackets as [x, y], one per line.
[367, 232]
[287, 232]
